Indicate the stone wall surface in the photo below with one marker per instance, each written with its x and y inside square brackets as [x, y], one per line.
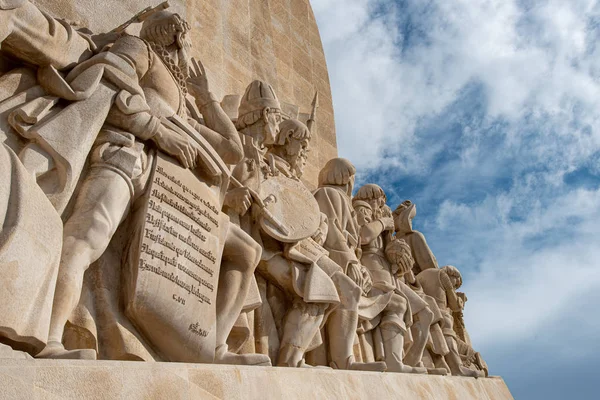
[46, 379]
[276, 41]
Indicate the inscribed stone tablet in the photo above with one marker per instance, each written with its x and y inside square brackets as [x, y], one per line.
[173, 296]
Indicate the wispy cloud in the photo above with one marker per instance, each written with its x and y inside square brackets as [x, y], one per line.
[486, 113]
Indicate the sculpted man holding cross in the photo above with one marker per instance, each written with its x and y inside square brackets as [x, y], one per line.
[138, 123]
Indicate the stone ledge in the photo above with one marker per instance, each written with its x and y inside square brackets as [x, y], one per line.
[52, 379]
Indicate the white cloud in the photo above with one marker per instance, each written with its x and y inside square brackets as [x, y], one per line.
[528, 61]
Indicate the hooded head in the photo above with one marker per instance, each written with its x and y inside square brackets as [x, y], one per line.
[260, 109]
[403, 216]
[338, 172]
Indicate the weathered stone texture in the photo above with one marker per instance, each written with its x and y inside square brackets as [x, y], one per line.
[46, 379]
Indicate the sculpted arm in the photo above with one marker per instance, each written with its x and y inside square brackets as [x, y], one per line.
[219, 130]
[332, 208]
[133, 114]
[31, 35]
[371, 231]
[424, 257]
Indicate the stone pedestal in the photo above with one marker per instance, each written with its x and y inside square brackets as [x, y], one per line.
[51, 379]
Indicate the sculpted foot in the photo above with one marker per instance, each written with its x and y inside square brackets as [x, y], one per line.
[57, 351]
[223, 356]
[378, 366]
[437, 371]
[463, 371]
[407, 369]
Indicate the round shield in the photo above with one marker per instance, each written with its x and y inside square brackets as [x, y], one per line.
[291, 213]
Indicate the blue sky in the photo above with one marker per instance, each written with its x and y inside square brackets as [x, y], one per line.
[486, 113]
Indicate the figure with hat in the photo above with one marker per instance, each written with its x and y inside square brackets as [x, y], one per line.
[387, 317]
[157, 81]
[284, 217]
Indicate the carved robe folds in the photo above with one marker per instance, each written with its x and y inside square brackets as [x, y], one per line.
[30, 243]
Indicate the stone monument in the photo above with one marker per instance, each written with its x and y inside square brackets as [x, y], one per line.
[171, 195]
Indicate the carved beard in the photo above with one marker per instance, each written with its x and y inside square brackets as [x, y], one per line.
[181, 74]
[184, 63]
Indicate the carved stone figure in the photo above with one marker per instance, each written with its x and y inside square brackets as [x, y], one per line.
[286, 220]
[119, 170]
[336, 181]
[422, 254]
[441, 284]
[140, 221]
[376, 236]
[31, 239]
[391, 322]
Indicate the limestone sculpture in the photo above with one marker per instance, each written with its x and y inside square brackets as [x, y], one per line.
[31, 239]
[291, 259]
[375, 236]
[441, 284]
[140, 221]
[151, 72]
[390, 323]
[336, 181]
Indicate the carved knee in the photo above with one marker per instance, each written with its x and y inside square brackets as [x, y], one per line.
[426, 316]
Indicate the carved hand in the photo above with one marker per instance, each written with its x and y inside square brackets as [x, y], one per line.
[367, 281]
[388, 223]
[176, 145]
[198, 83]
[354, 272]
[239, 200]
[103, 39]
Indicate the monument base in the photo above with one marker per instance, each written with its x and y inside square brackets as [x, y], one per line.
[54, 379]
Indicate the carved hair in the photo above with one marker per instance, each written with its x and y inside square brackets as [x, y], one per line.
[337, 171]
[453, 272]
[405, 204]
[370, 191]
[356, 203]
[292, 129]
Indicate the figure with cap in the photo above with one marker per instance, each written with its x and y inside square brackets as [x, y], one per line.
[386, 315]
[376, 236]
[293, 262]
[158, 81]
[403, 217]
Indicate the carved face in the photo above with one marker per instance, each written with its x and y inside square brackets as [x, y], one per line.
[403, 221]
[271, 120]
[455, 281]
[297, 154]
[374, 203]
[364, 215]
